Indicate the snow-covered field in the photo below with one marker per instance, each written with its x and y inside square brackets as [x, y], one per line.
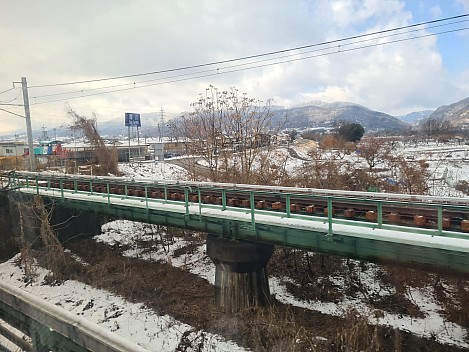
[433, 324]
[150, 169]
[132, 321]
[163, 333]
[447, 163]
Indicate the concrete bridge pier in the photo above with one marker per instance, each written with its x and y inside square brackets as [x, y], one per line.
[241, 279]
[8, 240]
[71, 224]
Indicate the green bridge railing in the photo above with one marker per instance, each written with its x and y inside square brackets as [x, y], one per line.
[441, 219]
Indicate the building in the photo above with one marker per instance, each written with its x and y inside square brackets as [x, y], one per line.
[48, 148]
[84, 151]
[13, 149]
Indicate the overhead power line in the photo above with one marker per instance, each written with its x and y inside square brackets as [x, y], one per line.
[9, 104]
[7, 90]
[217, 70]
[9, 101]
[253, 56]
[231, 69]
[13, 113]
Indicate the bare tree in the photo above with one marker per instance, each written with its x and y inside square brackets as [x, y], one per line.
[105, 157]
[437, 127]
[333, 165]
[231, 133]
[37, 231]
[374, 151]
[412, 177]
[326, 170]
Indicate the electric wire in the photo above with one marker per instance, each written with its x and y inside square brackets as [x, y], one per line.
[337, 49]
[7, 90]
[10, 112]
[9, 104]
[252, 56]
[9, 101]
[81, 91]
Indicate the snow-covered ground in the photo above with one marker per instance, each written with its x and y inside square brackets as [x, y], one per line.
[137, 323]
[448, 163]
[150, 169]
[132, 321]
[433, 324]
[141, 325]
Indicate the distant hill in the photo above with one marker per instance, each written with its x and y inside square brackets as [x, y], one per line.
[320, 114]
[314, 114]
[457, 113]
[307, 115]
[416, 116]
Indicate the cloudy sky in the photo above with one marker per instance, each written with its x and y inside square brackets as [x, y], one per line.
[52, 42]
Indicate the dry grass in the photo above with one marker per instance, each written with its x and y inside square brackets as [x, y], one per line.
[12, 163]
[53, 257]
[188, 298]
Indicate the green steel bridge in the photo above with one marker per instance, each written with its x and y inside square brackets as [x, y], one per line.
[424, 231]
[243, 222]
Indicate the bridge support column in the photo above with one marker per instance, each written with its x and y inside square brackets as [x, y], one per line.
[73, 223]
[8, 240]
[241, 279]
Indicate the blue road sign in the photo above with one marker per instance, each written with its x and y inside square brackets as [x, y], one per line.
[132, 120]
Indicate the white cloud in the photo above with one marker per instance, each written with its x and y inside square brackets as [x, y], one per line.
[463, 3]
[435, 11]
[51, 41]
[347, 12]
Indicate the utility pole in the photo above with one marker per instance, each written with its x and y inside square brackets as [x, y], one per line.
[27, 114]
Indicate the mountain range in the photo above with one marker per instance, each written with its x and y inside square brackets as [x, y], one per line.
[321, 114]
[318, 114]
[416, 116]
[307, 115]
[457, 113]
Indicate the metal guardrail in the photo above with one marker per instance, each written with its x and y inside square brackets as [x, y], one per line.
[434, 205]
[31, 324]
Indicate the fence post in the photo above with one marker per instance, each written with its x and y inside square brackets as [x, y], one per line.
[186, 199]
[200, 202]
[251, 202]
[146, 196]
[61, 184]
[440, 220]
[223, 198]
[380, 214]
[108, 194]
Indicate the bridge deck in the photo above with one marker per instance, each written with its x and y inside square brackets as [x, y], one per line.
[375, 240]
[399, 234]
